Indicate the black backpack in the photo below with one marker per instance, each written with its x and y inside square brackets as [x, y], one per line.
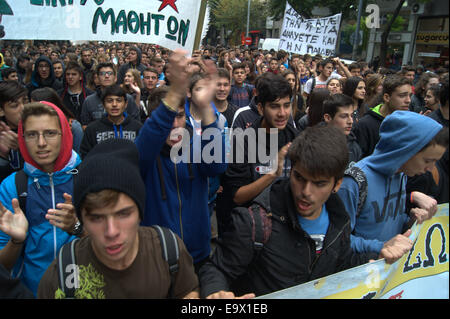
[21, 180]
[169, 247]
[360, 178]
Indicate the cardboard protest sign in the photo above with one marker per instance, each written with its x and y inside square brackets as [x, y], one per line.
[309, 36]
[169, 23]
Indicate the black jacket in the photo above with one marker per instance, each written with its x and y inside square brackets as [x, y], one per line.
[367, 132]
[354, 150]
[74, 102]
[244, 171]
[288, 258]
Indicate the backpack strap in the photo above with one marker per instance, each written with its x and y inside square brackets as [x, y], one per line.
[360, 178]
[170, 252]
[66, 256]
[261, 226]
[21, 180]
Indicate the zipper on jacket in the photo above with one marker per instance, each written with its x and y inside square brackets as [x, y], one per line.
[324, 248]
[179, 201]
[52, 187]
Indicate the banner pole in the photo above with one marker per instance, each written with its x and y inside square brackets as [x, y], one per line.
[201, 20]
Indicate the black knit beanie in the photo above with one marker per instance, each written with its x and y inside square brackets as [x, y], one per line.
[112, 164]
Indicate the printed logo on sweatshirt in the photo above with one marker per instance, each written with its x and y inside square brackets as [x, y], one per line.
[103, 136]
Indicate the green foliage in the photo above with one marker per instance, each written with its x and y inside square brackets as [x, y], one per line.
[232, 14]
[305, 7]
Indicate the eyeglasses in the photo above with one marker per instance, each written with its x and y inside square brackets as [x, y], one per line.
[33, 136]
[108, 73]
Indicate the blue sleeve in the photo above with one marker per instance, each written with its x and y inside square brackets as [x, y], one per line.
[210, 146]
[7, 193]
[349, 194]
[152, 136]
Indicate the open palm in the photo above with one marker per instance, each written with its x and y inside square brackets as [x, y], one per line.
[14, 225]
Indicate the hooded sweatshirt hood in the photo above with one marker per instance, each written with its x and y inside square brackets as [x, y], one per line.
[402, 135]
[65, 152]
[139, 56]
[36, 80]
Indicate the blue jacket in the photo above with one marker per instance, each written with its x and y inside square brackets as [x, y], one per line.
[402, 135]
[185, 207]
[43, 239]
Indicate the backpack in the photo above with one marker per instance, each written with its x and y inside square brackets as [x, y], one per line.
[21, 181]
[169, 248]
[261, 226]
[360, 178]
[262, 221]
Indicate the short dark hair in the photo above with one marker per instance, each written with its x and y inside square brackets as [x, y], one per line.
[11, 91]
[223, 73]
[272, 87]
[321, 150]
[114, 90]
[323, 63]
[238, 66]
[391, 82]
[74, 66]
[150, 69]
[195, 78]
[334, 102]
[354, 65]
[7, 72]
[443, 95]
[50, 95]
[105, 65]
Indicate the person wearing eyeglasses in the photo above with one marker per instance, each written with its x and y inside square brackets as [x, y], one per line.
[43, 76]
[92, 108]
[31, 236]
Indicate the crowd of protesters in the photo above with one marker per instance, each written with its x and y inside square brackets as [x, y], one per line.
[87, 140]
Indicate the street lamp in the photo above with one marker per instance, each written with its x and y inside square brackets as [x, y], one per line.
[248, 20]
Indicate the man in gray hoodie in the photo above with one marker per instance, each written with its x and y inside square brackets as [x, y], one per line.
[92, 108]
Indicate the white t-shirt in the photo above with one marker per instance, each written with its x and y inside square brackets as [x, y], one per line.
[319, 84]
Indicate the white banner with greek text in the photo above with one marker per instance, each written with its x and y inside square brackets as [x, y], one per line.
[169, 23]
[309, 36]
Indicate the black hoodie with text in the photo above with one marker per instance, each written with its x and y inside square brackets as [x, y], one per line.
[103, 129]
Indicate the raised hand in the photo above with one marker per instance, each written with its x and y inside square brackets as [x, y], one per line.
[64, 217]
[14, 225]
[8, 140]
[280, 160]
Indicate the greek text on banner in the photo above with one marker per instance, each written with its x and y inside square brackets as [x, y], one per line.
[169, 23]
[309, 36]
[421, 273]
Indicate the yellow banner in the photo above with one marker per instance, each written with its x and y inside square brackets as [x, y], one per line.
[421, 273]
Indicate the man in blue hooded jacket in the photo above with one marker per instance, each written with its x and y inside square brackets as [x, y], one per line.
[177, 191]
[381, 224]
[43, 76]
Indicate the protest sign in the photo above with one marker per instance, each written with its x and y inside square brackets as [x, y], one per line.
[421, 273]
[309, 36]
[169, 23]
